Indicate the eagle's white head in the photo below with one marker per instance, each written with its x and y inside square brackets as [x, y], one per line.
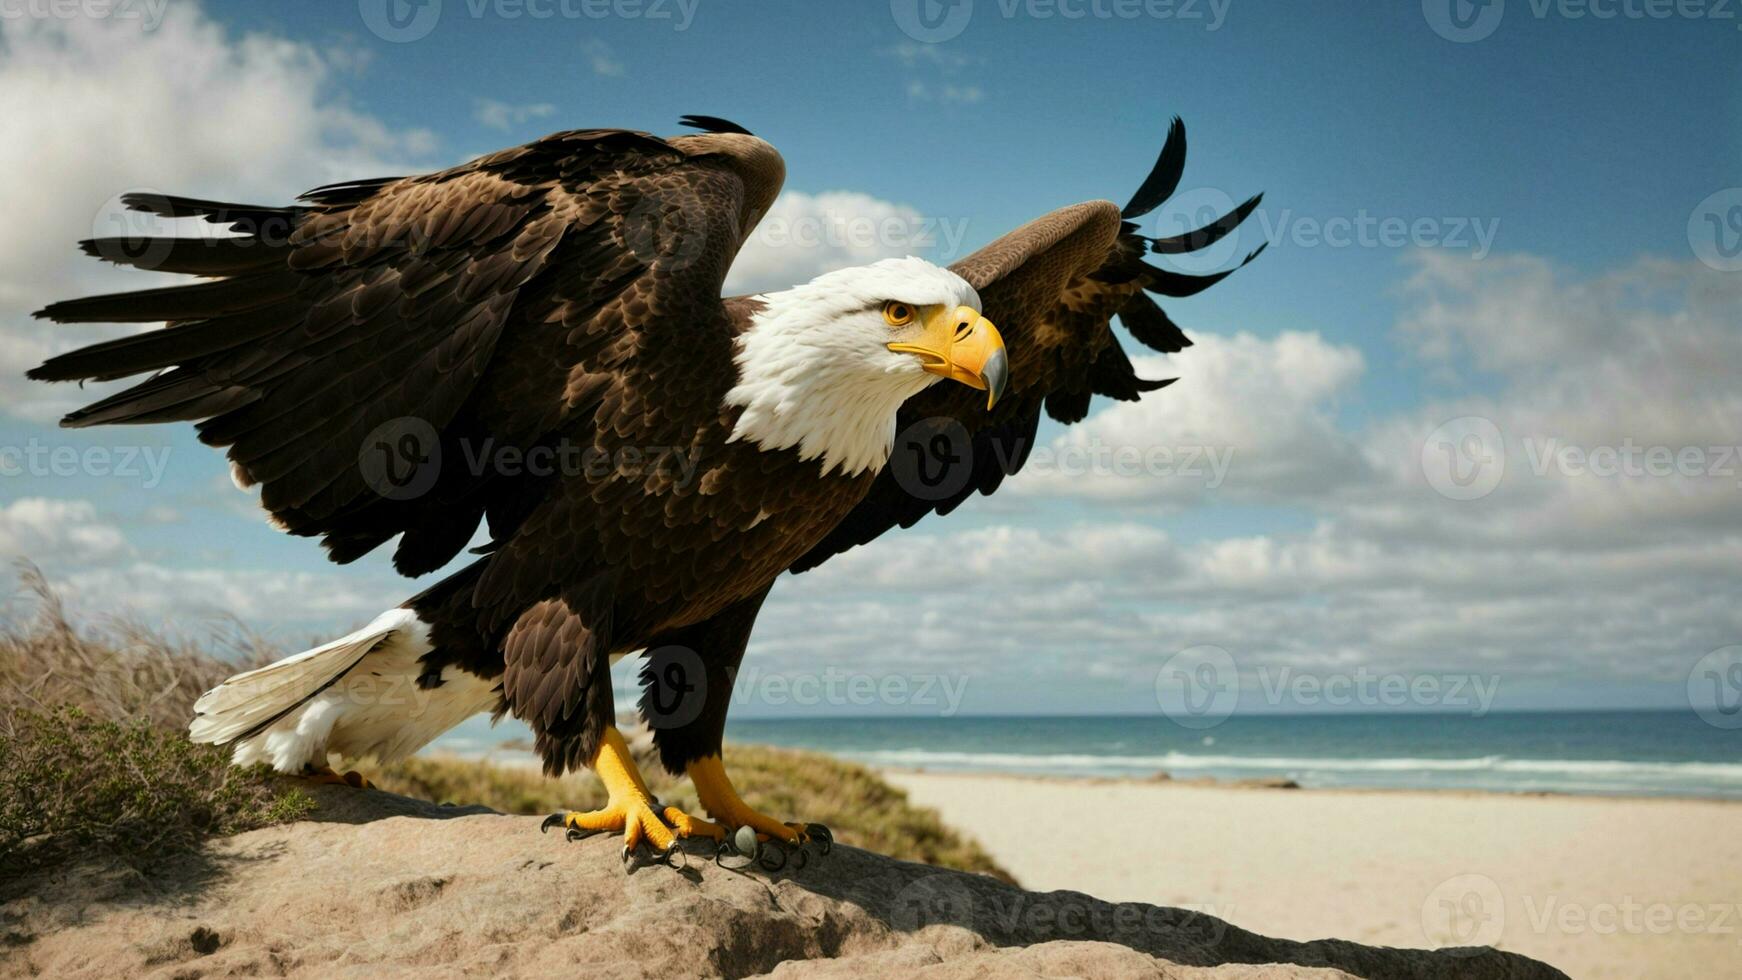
[824, 367]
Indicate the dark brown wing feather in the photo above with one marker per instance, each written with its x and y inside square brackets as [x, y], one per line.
[1052, 287]
[491, 302]
[563, 295]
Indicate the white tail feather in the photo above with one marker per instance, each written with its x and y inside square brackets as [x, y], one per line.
[367, 695]
[249, 700]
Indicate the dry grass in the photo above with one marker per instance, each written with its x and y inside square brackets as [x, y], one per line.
[119, 670]
[93, 753]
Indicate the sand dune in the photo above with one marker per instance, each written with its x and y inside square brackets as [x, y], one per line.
[1599, 887]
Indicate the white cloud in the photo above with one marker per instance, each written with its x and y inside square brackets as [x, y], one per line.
[1647, 350]
[98, 571]
[321, 602]
[1017, 556]
[68, 529]
[919, 91]
[935, 60]
[805, 235]
[92, 112]
[1627, 369]
[601, 59]
[506, 115]
[1250, 419]
[1638, 365]
[940, 56]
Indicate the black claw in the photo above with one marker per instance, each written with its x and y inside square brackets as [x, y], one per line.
[766, 854]
[675, 858]
[571, 834]
[729, 847]
[824, 837]
[738, 862]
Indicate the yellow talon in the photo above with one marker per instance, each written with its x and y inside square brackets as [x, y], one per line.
[688, 826]
[724, 804]
[631, 807]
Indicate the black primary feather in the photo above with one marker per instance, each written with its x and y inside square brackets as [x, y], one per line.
[1178, 284]
[1112, 375]
[202, 301]
[713, 124]
[189, 256]
[1209, 234]
[215, 212]
[1150, 325]
[1164, 179]
[346, 191]
[1068, 405]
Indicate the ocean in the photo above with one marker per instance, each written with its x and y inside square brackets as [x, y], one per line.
[1635, 753]
[1630, 753]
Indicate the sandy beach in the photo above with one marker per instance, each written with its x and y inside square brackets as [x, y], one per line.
[1597, 886]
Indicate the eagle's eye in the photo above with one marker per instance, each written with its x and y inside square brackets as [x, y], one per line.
[897, 314]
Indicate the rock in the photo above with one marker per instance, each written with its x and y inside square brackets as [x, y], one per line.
[1256, 782]
[387, 886]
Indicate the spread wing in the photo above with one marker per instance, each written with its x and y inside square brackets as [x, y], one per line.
[340, 345]
[1052, 287]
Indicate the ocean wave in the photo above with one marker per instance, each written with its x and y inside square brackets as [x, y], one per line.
[1680, 773]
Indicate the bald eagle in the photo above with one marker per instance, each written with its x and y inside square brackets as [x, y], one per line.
[391, 358]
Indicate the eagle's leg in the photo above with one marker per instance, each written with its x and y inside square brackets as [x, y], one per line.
[324, 775]
[723, 803]
[631, 807]
[686, 691]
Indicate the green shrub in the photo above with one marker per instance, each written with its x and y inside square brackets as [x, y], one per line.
[71, 784]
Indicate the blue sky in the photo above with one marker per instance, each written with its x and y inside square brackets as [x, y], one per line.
[1555, 167]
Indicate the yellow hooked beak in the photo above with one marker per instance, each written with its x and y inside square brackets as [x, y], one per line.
[960, 344]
